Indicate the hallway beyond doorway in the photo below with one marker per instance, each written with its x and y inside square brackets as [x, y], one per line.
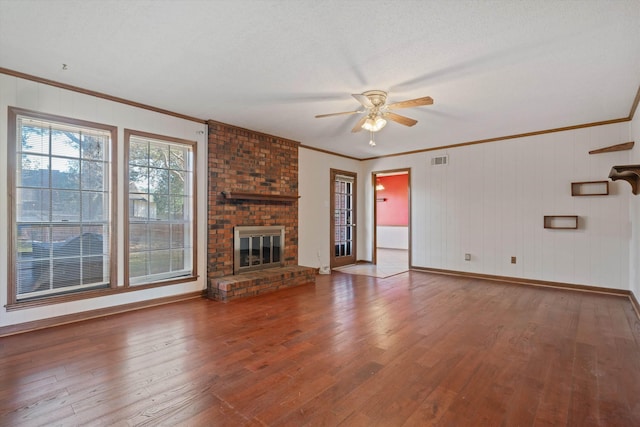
[390, 263]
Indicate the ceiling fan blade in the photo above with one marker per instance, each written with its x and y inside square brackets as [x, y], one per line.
[319, 116]
[358, 126]
[427, 100]
[364, 100]
[400, 119]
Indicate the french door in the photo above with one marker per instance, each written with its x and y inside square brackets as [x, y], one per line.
[343, 212]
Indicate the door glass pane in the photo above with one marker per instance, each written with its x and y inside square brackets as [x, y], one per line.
[343, 214]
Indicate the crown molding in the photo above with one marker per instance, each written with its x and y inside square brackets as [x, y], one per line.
[632, 111]
[506, 137]
[97, 94]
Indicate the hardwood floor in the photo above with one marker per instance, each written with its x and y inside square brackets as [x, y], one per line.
[415, 349]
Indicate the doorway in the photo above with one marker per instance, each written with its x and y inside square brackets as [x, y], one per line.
[344, 213]
[392, 219]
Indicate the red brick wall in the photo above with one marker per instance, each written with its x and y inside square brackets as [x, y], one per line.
[242, 160]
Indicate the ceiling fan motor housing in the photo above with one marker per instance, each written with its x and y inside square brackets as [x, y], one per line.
[377, 97]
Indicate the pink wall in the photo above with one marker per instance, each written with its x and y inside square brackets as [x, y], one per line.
[395, 210]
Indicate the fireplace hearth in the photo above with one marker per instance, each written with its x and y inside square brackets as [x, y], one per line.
[257, 248]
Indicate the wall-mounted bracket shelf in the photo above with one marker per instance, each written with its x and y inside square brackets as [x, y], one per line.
[566, 222]
[590, 188]
[629, 173]
[235, 195]
[617, 147]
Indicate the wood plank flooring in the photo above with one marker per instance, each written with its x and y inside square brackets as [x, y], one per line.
[415, 349]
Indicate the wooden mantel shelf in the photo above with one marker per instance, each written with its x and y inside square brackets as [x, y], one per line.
[259, 196]
[629, 173]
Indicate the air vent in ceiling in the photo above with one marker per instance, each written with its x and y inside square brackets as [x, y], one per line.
[439, 160]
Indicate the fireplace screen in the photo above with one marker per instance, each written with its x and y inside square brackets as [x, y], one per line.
[256, 248]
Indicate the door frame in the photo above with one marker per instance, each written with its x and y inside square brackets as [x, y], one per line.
[332, 177]
[374, 175]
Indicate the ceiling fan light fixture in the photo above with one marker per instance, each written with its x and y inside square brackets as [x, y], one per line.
[374, 124]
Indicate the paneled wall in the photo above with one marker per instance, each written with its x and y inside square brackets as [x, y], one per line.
[392, 237]
[48, 99]
[491, 198]
[634, 213]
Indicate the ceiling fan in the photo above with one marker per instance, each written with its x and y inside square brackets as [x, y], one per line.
[377, 110]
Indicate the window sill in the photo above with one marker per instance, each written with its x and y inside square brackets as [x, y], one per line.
[94, 293]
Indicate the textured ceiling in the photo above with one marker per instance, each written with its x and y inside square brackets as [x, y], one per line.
[494, 68]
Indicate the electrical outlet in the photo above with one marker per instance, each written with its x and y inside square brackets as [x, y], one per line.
[513, 260]
[467, 257]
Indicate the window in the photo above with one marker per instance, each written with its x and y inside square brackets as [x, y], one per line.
[161, 206]
[62, 209]
[61, 205]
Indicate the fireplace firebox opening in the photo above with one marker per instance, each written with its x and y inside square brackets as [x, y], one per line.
[257, 248]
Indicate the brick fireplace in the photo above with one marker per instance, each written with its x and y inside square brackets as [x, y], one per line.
[253, 181]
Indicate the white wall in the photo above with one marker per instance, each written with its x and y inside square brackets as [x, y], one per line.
[490, 200]
[634, 212]
[392, 237]
[48, 99]
[314, 205]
